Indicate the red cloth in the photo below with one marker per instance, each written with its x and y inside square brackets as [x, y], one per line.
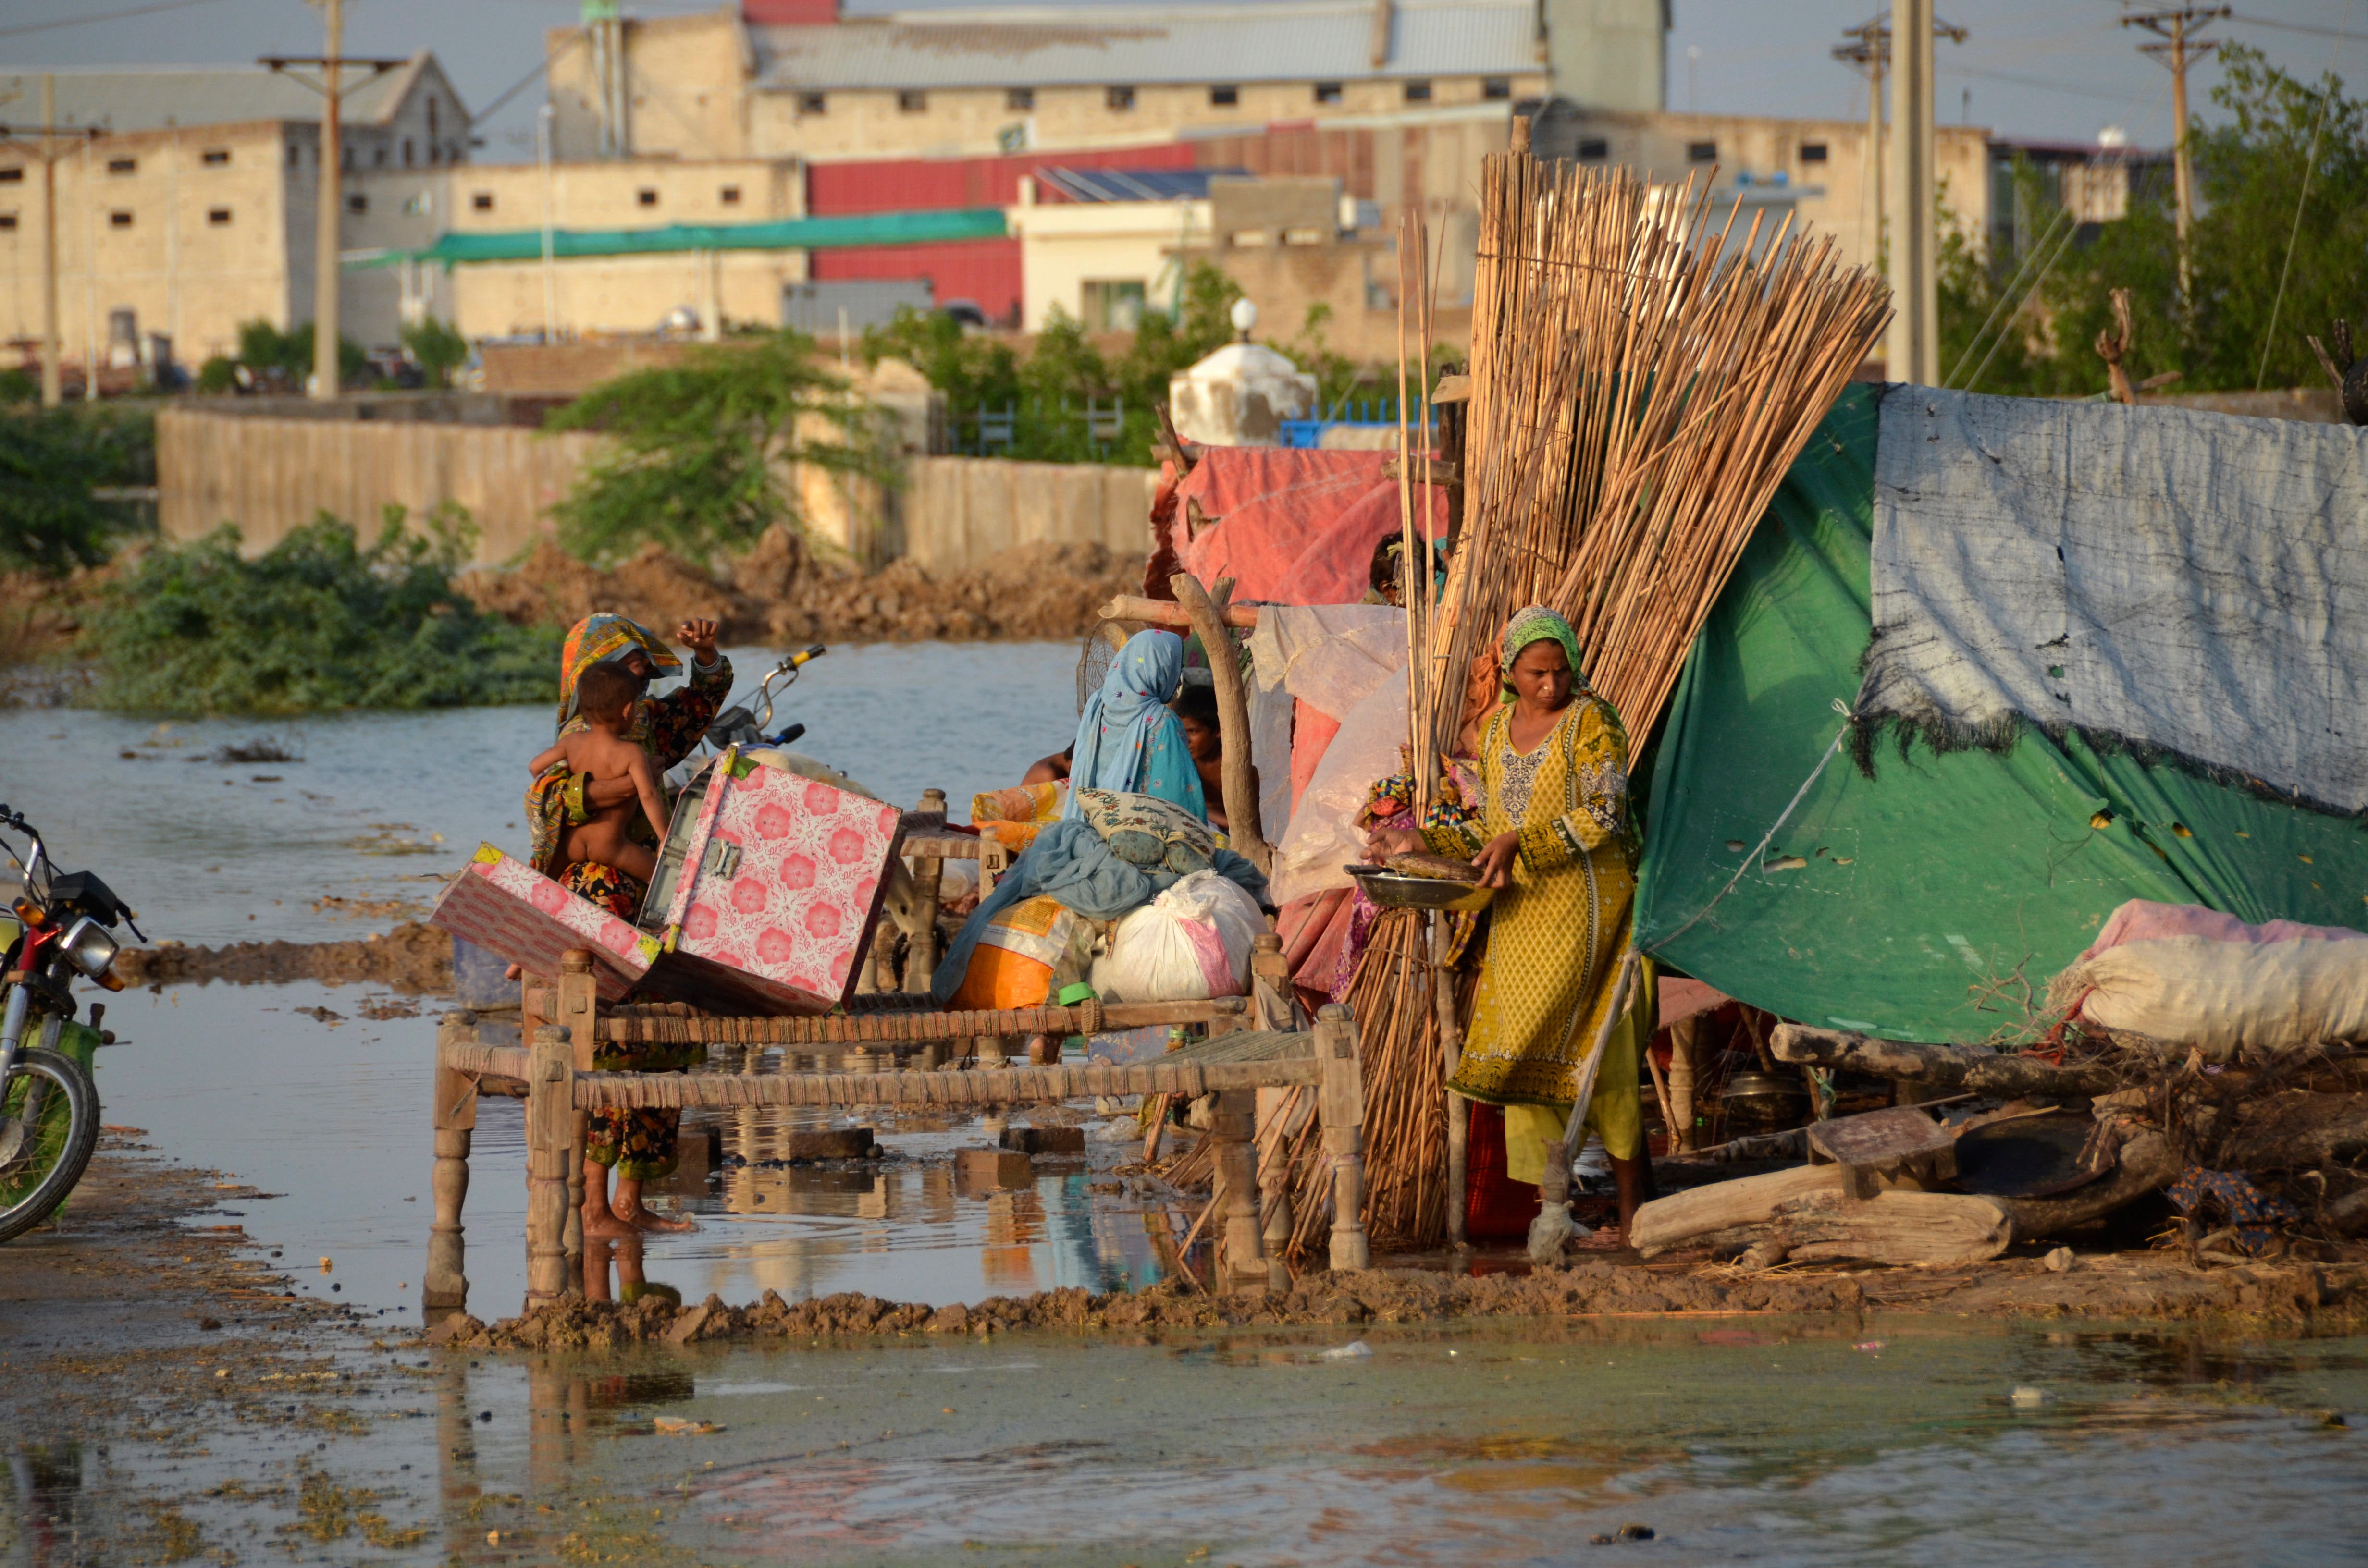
[1497, 1208]
[1292, 527]
[1311, 730]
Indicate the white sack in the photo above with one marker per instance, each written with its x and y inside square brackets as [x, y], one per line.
[1322, 836]
[2191, 991]
[1190, 943]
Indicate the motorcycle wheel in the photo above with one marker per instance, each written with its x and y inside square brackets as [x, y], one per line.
[49, 1125]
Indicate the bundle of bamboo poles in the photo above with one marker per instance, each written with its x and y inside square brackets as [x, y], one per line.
[1641, 380]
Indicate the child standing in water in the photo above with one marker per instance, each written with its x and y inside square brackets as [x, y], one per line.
[605, 695]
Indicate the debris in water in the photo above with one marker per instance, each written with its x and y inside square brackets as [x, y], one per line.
[2025, 1397]
[263, 748]
[1873, 1347]
[676, 1426]
[1355, 1350]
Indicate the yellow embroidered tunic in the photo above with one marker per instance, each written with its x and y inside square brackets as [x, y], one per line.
[1556, 931]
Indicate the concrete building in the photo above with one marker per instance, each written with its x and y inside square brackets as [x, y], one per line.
[194, 211]
[780, 77]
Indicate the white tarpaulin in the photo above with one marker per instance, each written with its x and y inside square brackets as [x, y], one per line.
[2182, 583]
[1330, 657]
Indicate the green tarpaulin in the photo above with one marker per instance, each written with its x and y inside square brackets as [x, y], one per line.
[788, 234]
[1935, 901]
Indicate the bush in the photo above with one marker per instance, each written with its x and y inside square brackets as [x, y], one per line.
[704, 449]
[316, 622]
[287, 356]
[439, 349]
[50, 461]
[19, 386]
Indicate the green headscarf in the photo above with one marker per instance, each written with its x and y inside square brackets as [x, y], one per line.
[1535, 624]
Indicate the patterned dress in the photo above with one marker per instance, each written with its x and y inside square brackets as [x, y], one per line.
[639, 1143]
[1556, 931]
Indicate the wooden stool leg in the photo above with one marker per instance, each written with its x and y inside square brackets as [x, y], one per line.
[550, 1144]
[929, 871]
[1234, 1130]
[579, 1001]
[1341, 1105]
[454, 1118]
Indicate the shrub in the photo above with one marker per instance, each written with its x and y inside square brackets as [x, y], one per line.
[439, 349]
[318, 621]
[51, 460]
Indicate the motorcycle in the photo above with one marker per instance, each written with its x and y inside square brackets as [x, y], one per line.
[49, 1105]
[743, 724]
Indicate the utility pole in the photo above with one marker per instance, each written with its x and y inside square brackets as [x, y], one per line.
[48, 150]
[549, 282]
[2179, 50]
[331, 85]
[1905, 232]
[1871, 50]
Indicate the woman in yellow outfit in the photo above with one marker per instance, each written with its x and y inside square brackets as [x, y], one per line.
[1553, 835]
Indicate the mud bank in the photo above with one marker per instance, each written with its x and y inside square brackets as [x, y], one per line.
[2322, 1296]
[782, 593]
[411, 957]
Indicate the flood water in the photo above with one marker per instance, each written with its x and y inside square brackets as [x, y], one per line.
[1895, 1441]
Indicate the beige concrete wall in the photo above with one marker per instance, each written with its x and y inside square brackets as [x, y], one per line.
[183, 273]
[958, 511]
[272, 475]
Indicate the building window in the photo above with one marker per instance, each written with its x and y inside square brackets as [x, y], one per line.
[813, 103]
[1327, 92]
[1594, 150]
[646, 196]
[378, 156]
[1020, 98]
[358, 205]
[7, 222]
[1496, 89]
[406, 152]
[1112, 305]
[1119, 97]
[123, 165]
[13, 175]
[119, 219]
[1225, 97]
[295, 155]
[483, 202]
[912, 100]
[1813, 151]
[214, 158]
[729, 196]
[1702, 152]
[1418, 92]
[433, 129]
[218, 216]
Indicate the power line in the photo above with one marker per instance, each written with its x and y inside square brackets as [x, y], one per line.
[103, 17]
[2309, 167]
[2297, 28]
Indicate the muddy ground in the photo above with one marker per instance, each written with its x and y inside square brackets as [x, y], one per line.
[171, 1398]
[413, 958]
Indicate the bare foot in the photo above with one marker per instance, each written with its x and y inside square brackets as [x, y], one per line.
[667, 1224]
[604, 1225]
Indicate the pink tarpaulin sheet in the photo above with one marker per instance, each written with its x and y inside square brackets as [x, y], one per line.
[1289, 526]
[2143, 920]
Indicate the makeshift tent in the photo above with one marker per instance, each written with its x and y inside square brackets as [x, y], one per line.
[1292, 527]
[1933, 901]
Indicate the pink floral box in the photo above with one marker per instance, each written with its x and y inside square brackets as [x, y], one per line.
[525, 918]
[784, 878]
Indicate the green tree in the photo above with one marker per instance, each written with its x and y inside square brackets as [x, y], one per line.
[703, 450]
[318, 622]
[50, 462]
[263, 348]
[439, 348]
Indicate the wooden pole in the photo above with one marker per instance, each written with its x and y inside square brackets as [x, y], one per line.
[453, 1115]
[929, 871]
[579, 1001]
[1684, 1035]
[1242, 825]
[550, 1137]
[1340, 1109]
[52, 370]
[330, 202]
[1459, 1109]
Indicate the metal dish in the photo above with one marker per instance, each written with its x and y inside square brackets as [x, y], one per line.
[1395, 890]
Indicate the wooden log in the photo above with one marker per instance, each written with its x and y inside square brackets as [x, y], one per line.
[1942, 1069]
[549, 1133]
[1683, 1217]
[1340, 1112]
[1172, 617]
[1234, 1131]
[1683, 1035]
[1242, 826]
[1893, 1227]
[2295, 1130]
[453, 1116]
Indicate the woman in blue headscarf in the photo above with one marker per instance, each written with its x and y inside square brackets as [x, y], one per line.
[1129, 740]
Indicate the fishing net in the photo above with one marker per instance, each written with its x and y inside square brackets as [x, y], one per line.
[1094, 656]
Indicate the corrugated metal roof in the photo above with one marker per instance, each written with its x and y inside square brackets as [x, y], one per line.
[785, 233]
[156, 98]
[1132, 184]
[1135, 45]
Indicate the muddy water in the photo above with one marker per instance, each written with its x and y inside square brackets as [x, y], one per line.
[381, 807]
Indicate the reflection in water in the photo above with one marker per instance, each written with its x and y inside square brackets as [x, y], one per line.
[1787, 1443]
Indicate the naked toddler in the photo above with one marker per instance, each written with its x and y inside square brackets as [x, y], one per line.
[605, 697]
